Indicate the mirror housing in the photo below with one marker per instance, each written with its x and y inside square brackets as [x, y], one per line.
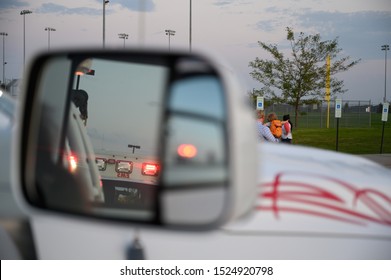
[203, 166]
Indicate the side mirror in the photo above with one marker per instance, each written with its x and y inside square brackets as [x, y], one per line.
[141, 136]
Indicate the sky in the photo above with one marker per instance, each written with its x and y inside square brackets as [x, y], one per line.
[229, 28]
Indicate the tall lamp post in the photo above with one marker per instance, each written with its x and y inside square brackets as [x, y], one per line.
[385, 48]
[24, 13]
[3, 34]
[105, 2]
[190, 23]
[123, 36]
[170, 33]
[48, 29]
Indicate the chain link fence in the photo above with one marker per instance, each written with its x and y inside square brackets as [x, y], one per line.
[354, 113]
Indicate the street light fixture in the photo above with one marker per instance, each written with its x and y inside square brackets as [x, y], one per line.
[24, 13]
[3, 34]
[385, 48]
[123, 36]
[105, 2]
[48, 29]
[170, 33]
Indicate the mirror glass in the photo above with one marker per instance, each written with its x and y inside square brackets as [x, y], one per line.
[128, 135]
[195, 152]
[195, 157]
[195, 137]
[200, 95]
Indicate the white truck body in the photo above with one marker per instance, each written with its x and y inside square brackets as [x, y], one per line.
[312, 204]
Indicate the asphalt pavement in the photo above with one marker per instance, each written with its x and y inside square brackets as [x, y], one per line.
[383, 159]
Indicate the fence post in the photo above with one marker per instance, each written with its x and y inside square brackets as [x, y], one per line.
[370, 114]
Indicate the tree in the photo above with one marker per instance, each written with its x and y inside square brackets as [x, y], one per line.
[300, 79]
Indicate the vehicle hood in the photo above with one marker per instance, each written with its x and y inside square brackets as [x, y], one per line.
[308, 191]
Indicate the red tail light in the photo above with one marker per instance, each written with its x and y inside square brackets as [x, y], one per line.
[150, 169]
[100, 181]
[72, 160]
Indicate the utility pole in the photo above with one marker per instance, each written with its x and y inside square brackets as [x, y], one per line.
[385, 48]
[190, 25]
[4, 34]
[105, 2]
[24, 13]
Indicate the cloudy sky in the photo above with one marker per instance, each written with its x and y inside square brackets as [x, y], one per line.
[231, 28]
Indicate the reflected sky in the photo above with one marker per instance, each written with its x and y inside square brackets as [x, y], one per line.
[124, 105]
[200, 95]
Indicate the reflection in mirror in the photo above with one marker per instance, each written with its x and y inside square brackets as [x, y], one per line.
[122, 121]
[195, 159]
[202, 95]
[128, 135]
[195, 136]
[195, 152]
[45, 140]
[109, 149]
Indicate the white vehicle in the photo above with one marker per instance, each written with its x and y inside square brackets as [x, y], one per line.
[79, 157]
[128, 178]
[8, 207]
[220, 194]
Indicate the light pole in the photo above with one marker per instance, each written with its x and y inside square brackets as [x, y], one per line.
[141, 22]
[24, 13]
[190, 22]
[170, 33]
[123, 36]
[48, 29]
[105, 2]
[385, 48]
[3, 34]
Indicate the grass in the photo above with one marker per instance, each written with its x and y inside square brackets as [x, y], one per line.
[359, 133]
[350, 140]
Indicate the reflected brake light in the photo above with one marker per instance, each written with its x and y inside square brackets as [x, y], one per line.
[187, 150]
[72, 159]
[150, 169]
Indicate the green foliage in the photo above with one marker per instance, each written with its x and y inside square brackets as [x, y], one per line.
[302, 76]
